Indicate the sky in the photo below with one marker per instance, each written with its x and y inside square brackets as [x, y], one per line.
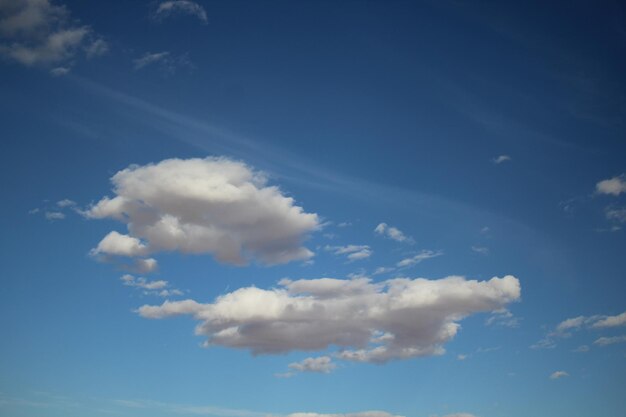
[312, 208]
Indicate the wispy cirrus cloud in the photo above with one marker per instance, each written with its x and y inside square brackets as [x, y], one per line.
[567, 327]
[501, 159]
[420, 257]
[164, 61]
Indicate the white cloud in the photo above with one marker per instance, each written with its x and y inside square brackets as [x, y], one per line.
[383, 270]
[416, 316]
[117, 244]
[60, 71]
[213, 205]
[614, 186]
[352, 252]
[566, 327]
[605, 341]
[159, 287]
[169, 8]
[150, 58]
[502, 318]
[144, 266]
[140, 282]
[500, 159]
[461, 357]
[393, 233]
[582, 349]
[54, 215]
[164, 61]
[37, 32]
[321, 364]
[558, 374]
[66, 203]
[611, 321]
[422, 256]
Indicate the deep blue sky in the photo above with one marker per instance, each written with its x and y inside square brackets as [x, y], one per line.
[481, 131]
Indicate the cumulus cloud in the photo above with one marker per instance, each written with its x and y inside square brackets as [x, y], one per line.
[422, 256]
[37, 32]
[500, 159]
[144, 266]
[370, 322]
[171, 8]
[211, 206]
[321, 364]
[384, 229]
[558, 374]
[120, 245]
[614, 186]
[352, 252]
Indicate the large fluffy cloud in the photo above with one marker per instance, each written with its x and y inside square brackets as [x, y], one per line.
[214, 205]
[370, 322]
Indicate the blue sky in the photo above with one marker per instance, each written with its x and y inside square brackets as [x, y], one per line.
[312, 209]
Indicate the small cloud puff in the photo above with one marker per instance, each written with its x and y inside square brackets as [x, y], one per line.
[558, 374]
[500, 159]
[415, 259]
[174, 7]
[391, 232]
[613, 186]
[321, 364]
